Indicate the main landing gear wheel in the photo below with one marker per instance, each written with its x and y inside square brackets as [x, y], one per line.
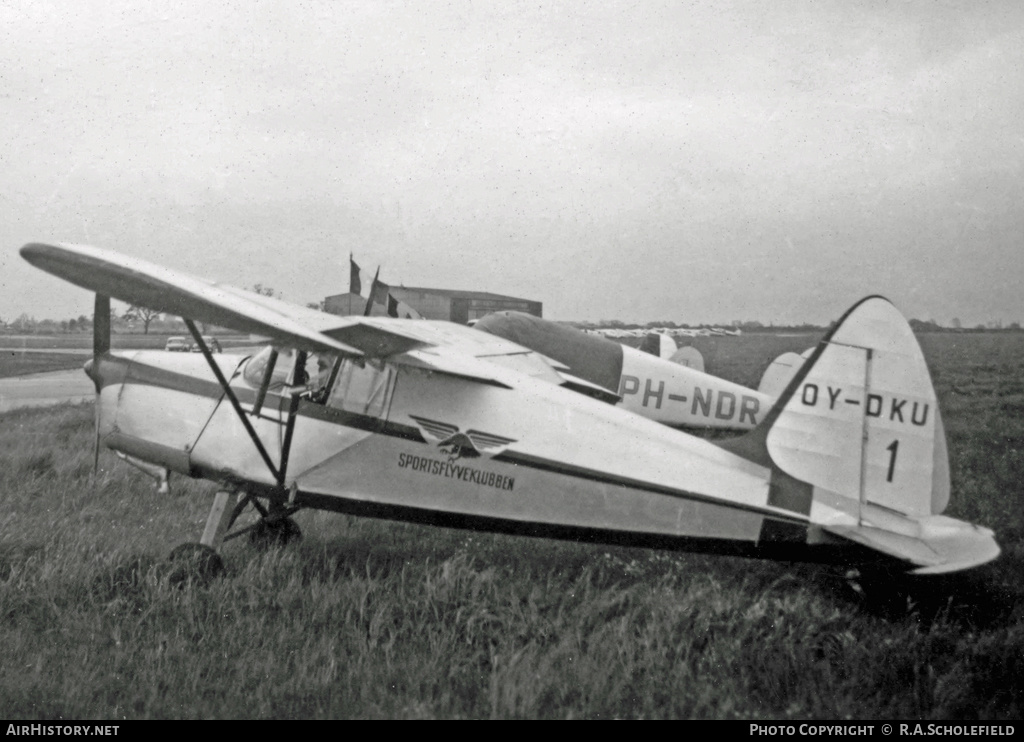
[197, 562]
[276, 532]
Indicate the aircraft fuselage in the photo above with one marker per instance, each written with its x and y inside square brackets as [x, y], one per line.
[400, 442]
[655, 388]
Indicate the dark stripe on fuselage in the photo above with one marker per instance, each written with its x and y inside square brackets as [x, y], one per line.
[578, 472]
[590, 357]
[834, 551]
[116, 370]
[140, 373]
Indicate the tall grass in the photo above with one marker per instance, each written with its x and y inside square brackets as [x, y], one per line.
[373, 619]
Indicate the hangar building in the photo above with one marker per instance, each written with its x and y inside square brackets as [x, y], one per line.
[455, 306]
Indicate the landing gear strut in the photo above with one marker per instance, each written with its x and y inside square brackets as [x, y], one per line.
[269, 532]
[275, 525]
[201, 561]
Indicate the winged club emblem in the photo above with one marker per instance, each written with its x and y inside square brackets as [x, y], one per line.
[458, 444]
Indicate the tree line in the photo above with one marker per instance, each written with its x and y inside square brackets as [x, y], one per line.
[127, 320]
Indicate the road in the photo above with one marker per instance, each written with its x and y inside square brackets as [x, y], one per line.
[50, 387]
[54, 387]
[65, 351]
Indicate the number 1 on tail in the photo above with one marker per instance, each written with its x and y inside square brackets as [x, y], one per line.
[892, 448]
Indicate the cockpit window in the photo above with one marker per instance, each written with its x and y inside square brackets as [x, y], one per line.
[256, 366]
[312, 377]
[352, 385]
[363, 387]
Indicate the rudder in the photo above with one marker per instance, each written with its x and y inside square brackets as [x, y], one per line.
[861, 418]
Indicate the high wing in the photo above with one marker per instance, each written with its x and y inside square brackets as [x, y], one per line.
[441, 347]
[851, 459]
[139, 282]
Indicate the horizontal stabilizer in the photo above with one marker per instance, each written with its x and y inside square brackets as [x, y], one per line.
[941, 545]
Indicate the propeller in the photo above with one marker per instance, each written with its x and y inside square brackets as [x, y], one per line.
[100, 345]
[96, 444]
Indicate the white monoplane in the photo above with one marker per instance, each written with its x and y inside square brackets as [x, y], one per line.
[437, 423]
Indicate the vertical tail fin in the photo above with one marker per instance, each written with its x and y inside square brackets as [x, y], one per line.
[856, 443]
[781, 371]
[658, 344]
[860, 419]
[690, 357]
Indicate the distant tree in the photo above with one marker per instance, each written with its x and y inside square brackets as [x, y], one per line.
[263, 290]
[24, 323]
[317, 305]
[145, 315]
[918, 325]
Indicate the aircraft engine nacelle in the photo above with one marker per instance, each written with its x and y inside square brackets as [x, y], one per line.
[153, 405]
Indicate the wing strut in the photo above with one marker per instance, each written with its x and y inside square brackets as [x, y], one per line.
[293, 411]
[234, 401]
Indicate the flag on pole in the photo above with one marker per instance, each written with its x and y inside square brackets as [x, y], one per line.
[380, 293]
[375, 291]
[369, 287]
[374, 297]
[398, 308]
[360, 282]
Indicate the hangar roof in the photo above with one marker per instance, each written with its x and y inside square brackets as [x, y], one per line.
[456, 294]
[451, 293]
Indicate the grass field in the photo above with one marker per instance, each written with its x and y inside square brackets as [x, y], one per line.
[373, 619]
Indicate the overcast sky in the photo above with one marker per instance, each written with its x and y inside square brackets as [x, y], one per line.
[695, 162]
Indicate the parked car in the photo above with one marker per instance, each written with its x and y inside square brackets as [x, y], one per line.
[178, 344]
[211, 343]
